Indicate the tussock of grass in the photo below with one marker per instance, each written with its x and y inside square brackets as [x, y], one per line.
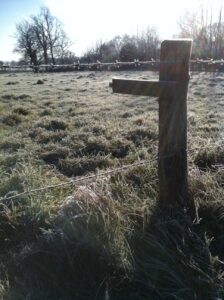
[11, 184]
[23, 97]
[126, 115]
[169, 260]
[139, 134]
[22, 218]
[119, 148]
[99, 129]
[83, 165]
[8, 161]
[53, 153]
[8, 96]
[11, 144]
[139, 121]
[208, 194]
[95, 146]
[209, 158]
[39, 81]
[45, 136]
[99, 146]
[12, 119]
[45, 112]
[12, 82]
[52, 124]
[21, 111]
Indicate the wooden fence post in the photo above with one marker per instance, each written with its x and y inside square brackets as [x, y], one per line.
[172, 92]
[172, 156]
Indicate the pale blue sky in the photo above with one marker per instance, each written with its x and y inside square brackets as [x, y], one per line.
[86, 21]
[12, 12]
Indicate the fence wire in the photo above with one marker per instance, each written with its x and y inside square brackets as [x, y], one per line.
[155, 158]
[77, 180]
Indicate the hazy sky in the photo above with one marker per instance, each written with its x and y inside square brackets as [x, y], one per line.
[86, 21]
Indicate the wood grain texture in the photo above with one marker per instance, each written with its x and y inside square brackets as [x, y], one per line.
[172, 156]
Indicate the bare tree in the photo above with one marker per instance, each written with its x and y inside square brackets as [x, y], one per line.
[60, 49]
[219, 35]
[148, 44]
[206, 31]
[26, 42]
[51, 33]
[42, 38]
[41, 35]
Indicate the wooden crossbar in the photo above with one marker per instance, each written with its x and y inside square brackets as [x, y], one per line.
[152, 88]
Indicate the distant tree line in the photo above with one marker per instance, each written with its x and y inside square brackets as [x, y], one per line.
[206, 30]
[41, 39]
[143, 46]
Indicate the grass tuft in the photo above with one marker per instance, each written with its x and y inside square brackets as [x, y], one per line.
[209, 158]
[139, 134]
[83, 165]
[39, 81]
[12, 119]
[21, 111]
[8, 97]
[52, 124]
[12, 82]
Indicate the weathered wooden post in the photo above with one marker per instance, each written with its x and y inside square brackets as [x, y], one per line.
[172, 92]
[172, 156]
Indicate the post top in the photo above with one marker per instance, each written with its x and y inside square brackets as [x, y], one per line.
[180, 48]
[174, 59]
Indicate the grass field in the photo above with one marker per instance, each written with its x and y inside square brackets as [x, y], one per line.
[105, 238]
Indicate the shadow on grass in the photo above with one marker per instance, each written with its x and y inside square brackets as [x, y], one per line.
[105, 246]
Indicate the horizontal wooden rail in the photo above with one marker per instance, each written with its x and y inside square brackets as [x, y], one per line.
[152, 88]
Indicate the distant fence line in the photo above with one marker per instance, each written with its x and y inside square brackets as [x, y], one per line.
[195, 65]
